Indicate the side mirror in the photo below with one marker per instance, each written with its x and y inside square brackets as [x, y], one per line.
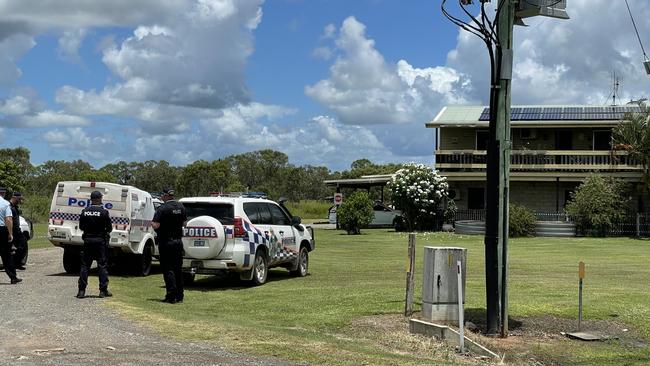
[295, 221]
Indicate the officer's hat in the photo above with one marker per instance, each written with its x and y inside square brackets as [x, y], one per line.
[168, 191]
[3, 190]
[17, 195]
[96, 195]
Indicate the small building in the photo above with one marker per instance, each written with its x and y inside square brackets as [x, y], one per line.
[554, 148]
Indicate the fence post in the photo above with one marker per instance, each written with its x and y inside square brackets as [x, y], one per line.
[638, 225]
[410, 276]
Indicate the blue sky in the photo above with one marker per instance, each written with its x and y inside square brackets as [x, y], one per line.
[325, 81]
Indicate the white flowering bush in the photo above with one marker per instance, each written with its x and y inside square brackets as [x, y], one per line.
[417, 190]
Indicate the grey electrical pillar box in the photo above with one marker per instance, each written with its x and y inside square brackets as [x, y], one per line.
[548, 8]
[440, 283]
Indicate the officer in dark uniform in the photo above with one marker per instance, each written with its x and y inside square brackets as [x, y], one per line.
[96, 225]
[20, 242]
[168, 222]
[7, 238]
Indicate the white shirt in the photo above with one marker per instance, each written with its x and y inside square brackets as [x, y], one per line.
[5, 210]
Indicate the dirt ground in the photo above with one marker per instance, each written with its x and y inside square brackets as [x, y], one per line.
[517, 349]
[42, 323]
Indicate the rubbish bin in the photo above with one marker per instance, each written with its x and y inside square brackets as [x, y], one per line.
[440, 283]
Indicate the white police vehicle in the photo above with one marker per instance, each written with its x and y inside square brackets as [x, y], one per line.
[243, 235]
[132, 241]
[27, 228]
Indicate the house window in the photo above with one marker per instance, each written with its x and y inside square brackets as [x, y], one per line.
[482, 137]
[603, 140]
[475, 198]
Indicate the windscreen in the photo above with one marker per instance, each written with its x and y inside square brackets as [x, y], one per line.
[224, 212]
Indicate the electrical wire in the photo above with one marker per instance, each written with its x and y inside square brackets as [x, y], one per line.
[636, 30]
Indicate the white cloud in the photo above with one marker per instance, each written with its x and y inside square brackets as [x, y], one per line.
[329, 31]
[12, 48]
[364, 89]
[76, 139]
[69, 44]
[25, 110]
[567, 61]
[324, 53]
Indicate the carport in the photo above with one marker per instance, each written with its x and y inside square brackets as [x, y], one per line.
[365, 182]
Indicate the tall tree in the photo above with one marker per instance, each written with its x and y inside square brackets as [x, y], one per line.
[633, 135]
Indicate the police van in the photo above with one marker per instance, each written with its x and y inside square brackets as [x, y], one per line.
[132, 241]
[243, 235]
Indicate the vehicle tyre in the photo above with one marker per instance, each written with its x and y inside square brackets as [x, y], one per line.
[303, 263]
[188, 278]
[142, 262]
[260, 269]
[71, 260]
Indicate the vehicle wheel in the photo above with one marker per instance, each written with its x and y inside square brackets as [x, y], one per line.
[188, 278]
[71, 260]
[142, 262]
[260, 269]
[303, 263]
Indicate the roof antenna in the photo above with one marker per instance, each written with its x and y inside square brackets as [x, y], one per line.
[616, 83]
[646, 61]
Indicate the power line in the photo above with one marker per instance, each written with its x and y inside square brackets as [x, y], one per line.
[636, 30]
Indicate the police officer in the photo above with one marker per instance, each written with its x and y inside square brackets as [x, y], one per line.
[20, 242]
[6, 237]
[96, 225]
[168, 222]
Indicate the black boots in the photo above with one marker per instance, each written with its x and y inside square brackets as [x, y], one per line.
[81, 294]
[105, 293]
[15, 280]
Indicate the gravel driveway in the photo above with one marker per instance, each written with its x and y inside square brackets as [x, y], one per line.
[42, 323]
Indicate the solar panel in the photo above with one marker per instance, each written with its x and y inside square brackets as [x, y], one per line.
[598, 113]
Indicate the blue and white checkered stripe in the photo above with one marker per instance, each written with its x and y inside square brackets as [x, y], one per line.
[75, 217]
[254, 237]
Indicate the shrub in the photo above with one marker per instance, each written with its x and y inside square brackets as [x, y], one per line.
[597, 204]
[450, 212]
[355, 212]
[521, 221]
[417, 190]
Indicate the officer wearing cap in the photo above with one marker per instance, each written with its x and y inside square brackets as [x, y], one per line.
[20, 242]
[168, 223]
[6, 237]
[96, 225]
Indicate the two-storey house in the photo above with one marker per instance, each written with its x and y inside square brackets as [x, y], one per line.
[554, 148]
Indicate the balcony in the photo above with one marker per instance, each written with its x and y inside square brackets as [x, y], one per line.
[541, 161]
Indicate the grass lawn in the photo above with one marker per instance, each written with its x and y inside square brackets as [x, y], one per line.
[40, 237]
[317, 319]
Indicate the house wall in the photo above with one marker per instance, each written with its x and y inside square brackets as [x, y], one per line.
[536, 196]
[454, 138]
[541, 196]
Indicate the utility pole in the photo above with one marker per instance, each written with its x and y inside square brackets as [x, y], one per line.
[498, 165]
[497, 36]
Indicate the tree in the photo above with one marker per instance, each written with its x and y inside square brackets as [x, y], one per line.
[417, 190]
[598, 203]
[633, 135]
[10, 175]
[356, 212]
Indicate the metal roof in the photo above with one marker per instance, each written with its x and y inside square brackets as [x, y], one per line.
[363, 182]
[534, 116]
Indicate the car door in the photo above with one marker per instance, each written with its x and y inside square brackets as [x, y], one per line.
[283, 240]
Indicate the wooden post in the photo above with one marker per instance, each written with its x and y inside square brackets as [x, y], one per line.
[581, 275]
[638, 225]
[410, 276]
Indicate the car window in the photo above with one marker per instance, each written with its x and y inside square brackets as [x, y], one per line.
[250, 209]
[224, 212]
[265, 214]
[279, 217]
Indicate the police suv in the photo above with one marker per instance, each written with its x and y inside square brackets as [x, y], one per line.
[243, 235]
[132, 241]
